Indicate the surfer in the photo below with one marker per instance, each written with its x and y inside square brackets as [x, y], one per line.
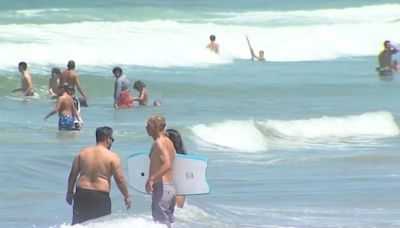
[176, 139]
[26, 80]
[213, 46]
[122, 96]
[386, 65]
[143, 96]
[65, 109]
[160, 182]
[94, 166]
[260, 56]
[72, 78]
[54, 82]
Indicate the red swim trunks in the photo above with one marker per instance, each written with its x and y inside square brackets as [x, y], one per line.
[125, 100]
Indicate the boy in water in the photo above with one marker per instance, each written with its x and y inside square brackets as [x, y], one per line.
[213, 46]
[26, 80]
[54, 82]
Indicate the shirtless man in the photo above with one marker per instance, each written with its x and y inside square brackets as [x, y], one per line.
[54, 82]
[26, 80]
[160, 182]
[65, 109]
[213, 46]
[72, 78]
[386, 64]
[260, 56]
[95, 165]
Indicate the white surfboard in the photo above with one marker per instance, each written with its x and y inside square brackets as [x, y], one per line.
[188, 171]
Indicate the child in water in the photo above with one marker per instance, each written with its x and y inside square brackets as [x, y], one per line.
[143, 97]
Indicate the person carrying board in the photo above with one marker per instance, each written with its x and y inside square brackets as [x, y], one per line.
[160, 181]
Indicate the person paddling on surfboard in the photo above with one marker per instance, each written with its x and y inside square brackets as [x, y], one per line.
[260, 56]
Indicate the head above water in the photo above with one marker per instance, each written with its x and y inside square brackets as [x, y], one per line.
[103, 134]
[176, 139]
[212, 38]
[22, 66]
[387, 44]
[55, 71]
[139, 85]
[71, 65]
[117, 71]
[261, 53]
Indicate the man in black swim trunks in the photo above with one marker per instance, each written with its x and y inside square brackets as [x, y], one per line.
[95, 165]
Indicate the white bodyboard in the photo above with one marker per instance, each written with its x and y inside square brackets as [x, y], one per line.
[188, 172]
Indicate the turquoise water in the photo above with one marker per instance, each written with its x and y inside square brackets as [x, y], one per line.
[309, 138]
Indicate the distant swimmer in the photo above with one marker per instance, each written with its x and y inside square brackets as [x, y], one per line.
[143, 97]
[386, 65]
[122, 96]
[91, 174]
[65, 109]
[260, 56]
[213, 46]
[72, 78]
[54, 82]
[157, 103]
[26, 80]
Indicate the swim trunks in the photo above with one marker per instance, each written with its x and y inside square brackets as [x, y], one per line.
[66, 123]
[163, 203]
[90, 204]
[125, 100]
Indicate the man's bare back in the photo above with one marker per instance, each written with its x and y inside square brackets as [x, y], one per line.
[97, 164]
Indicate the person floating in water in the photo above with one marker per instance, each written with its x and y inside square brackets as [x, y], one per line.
[26, 80]
[213, 46]
[386, 65]
[122, 96]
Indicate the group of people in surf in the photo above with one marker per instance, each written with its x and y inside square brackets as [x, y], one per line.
[62, 87]
[214, 47]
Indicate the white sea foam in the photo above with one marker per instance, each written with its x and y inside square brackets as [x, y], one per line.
[119, 222]
[297, 36]
[256, 136]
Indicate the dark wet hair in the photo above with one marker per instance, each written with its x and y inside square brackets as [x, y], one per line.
[117, 69]
[176, 139]
[71, 65]
[212, 37]
[139, 85]
[386, 43]
[102, 133]
[23, 65]
[56, 70]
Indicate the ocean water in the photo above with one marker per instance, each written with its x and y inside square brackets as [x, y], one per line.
[309, 138]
